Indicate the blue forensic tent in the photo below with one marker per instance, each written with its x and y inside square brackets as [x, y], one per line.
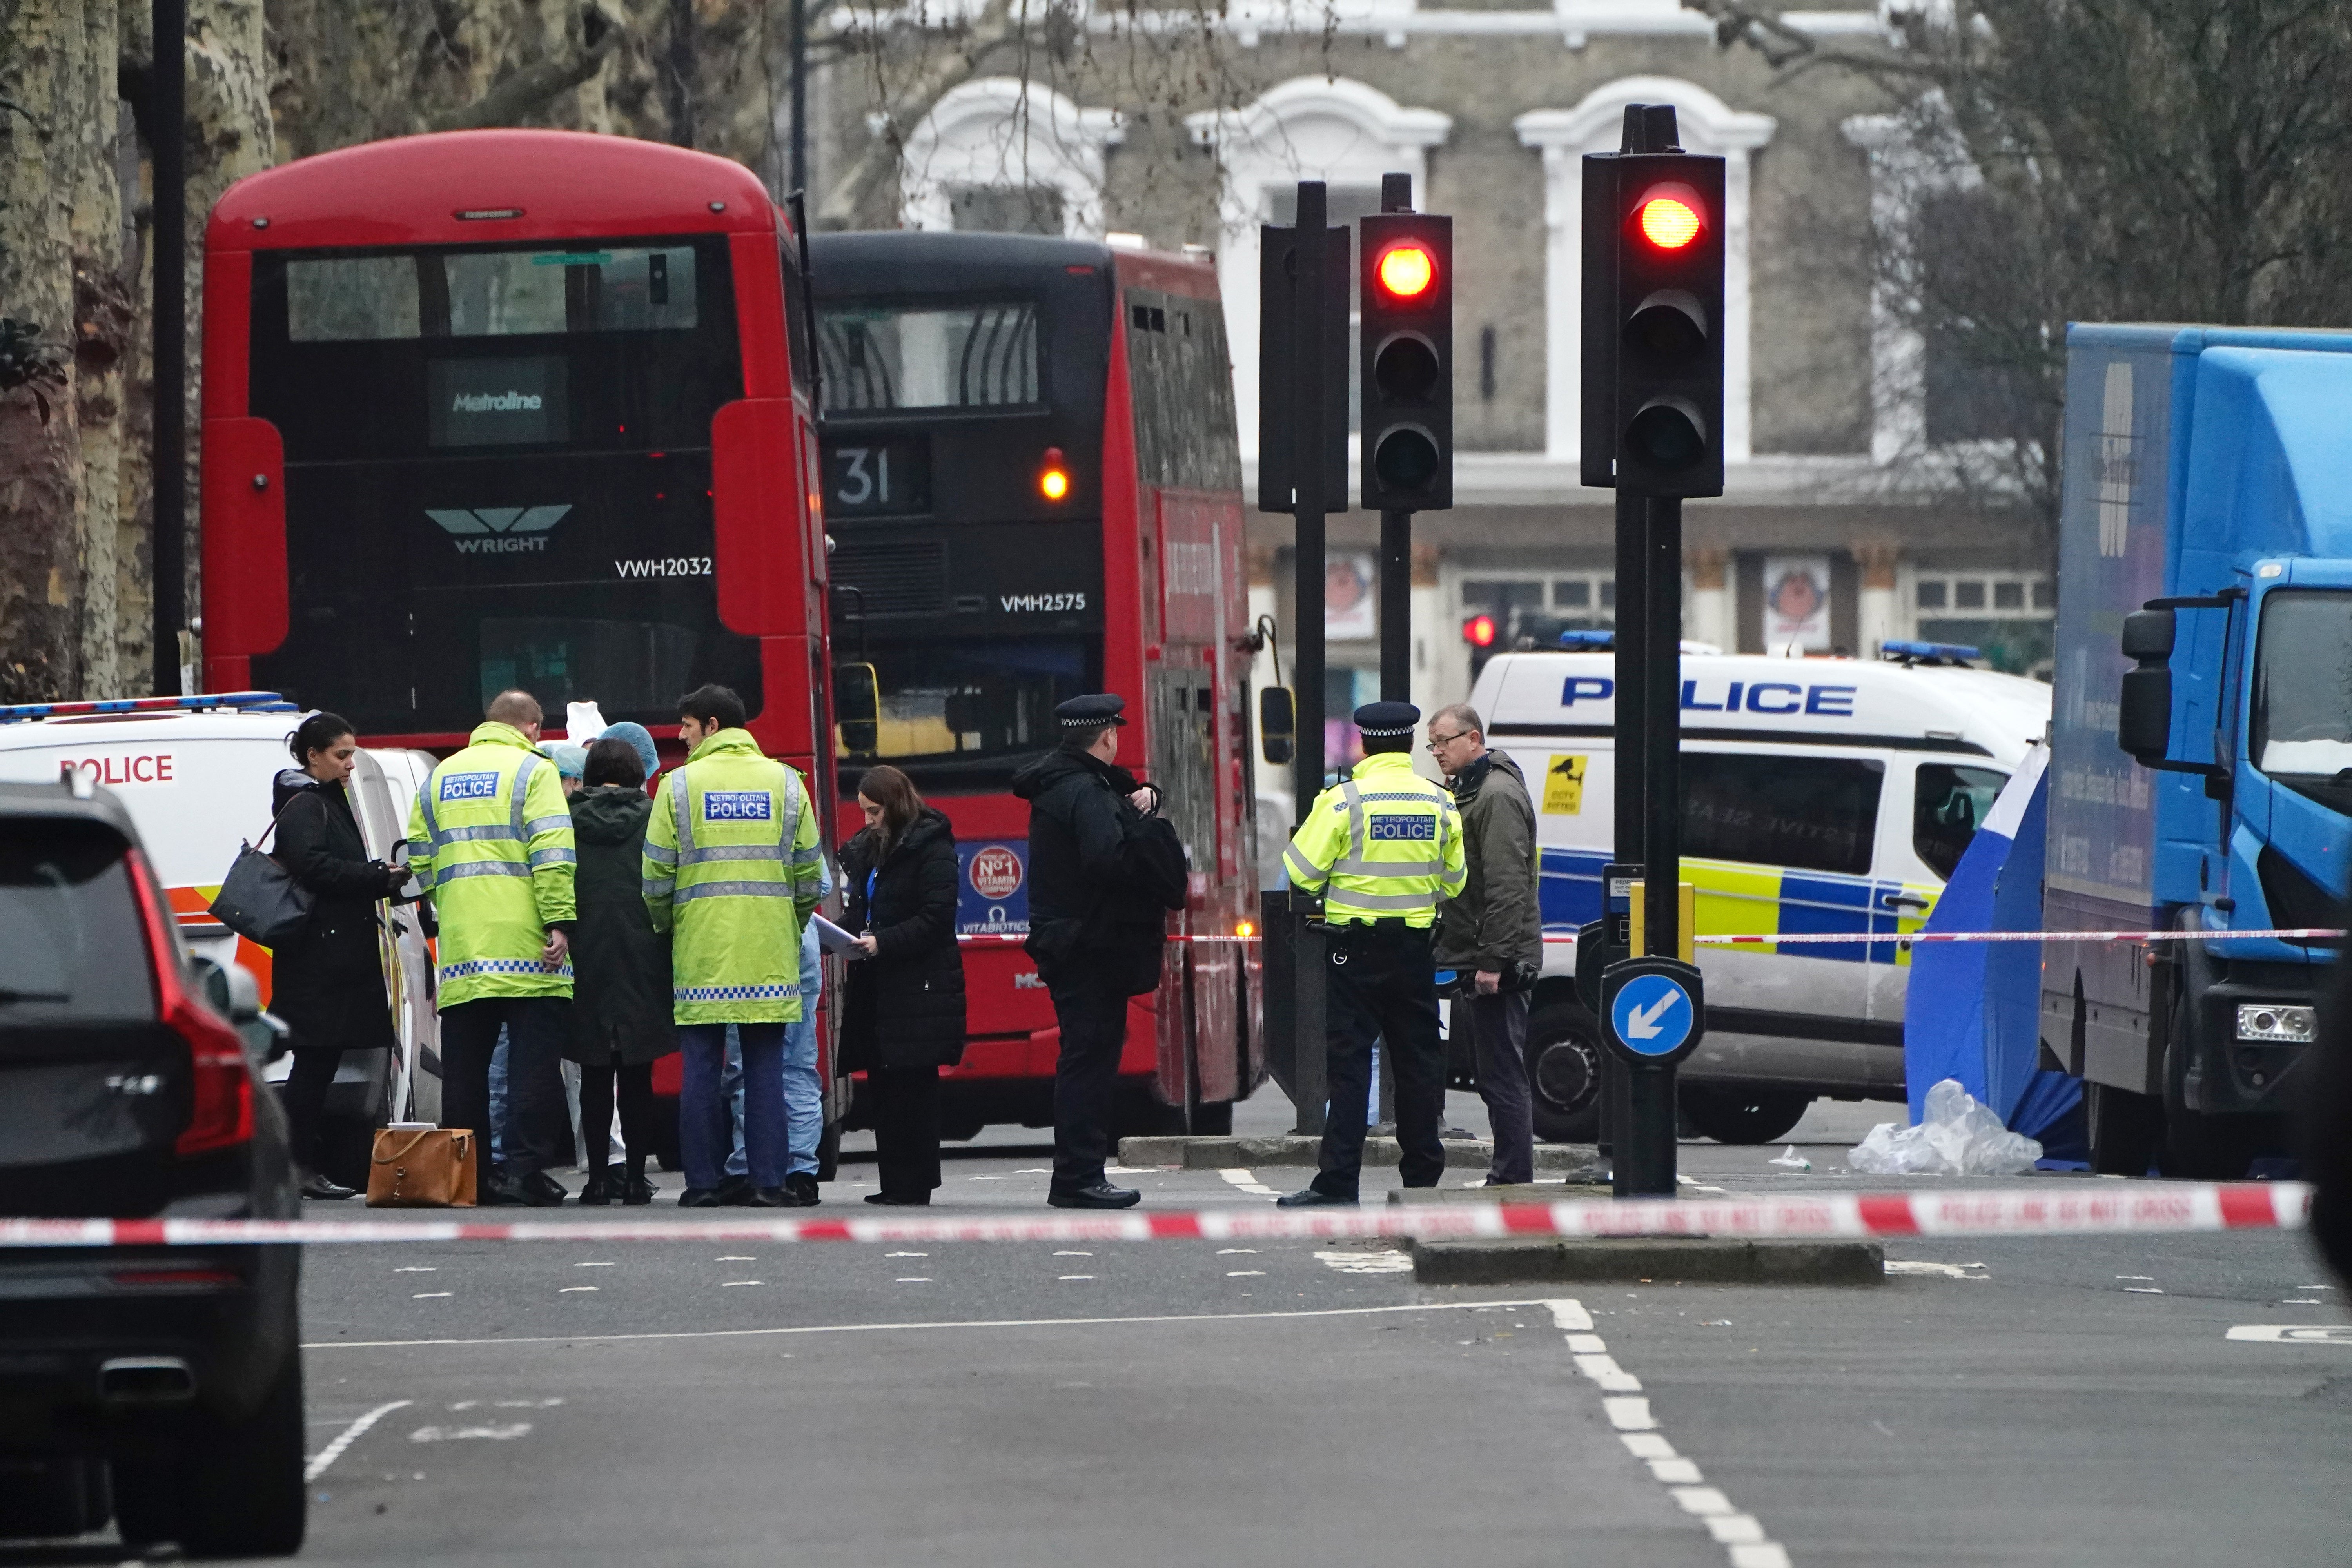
[1982, 1023]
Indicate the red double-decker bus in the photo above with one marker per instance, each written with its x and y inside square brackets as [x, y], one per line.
[1033, 489]
[512, 408]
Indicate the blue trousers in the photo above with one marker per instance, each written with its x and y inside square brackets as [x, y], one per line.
[705, 1126]
[803, 1090]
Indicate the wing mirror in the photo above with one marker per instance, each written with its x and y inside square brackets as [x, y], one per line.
[1277, 724]
[857, 709]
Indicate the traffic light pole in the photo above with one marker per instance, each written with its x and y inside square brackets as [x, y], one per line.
[1307, 627]
[1632, 646]
[1643, 1162]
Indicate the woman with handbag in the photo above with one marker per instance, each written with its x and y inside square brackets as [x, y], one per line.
[327, 980]
[621, 1001]
[904, 1019]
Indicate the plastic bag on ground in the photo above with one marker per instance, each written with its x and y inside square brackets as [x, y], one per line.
[1959, 1138]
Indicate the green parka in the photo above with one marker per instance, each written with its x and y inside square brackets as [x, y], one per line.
[490, 839]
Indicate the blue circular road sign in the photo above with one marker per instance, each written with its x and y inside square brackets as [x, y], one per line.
[1653, 1014]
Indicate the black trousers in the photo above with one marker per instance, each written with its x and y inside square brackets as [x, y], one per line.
[636, 1096]
[1379, 985]
[1086, 1076]
[537, 1121]
[306, 1099]
[907, 1129]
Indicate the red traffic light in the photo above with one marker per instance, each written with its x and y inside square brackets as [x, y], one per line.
[1670, 216]
[1478, 631]
[1406, 271]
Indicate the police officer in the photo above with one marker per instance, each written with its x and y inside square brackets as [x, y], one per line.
[490, 839]
[732, 869]
[1382, 847]
[1104, 870]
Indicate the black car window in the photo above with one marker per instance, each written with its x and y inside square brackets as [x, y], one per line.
[71, 947]
[1815, 813]
[1949, 803]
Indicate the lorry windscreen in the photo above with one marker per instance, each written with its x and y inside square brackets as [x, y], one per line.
[2302, 733]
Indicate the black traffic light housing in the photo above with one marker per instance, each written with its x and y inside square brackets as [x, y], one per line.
[1278, 307]
[1405, 298]
[1653, 249]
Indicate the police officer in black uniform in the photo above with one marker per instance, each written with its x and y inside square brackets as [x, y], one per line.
[1100, 882]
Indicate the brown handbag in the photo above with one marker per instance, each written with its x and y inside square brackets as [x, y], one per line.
[422, 1168]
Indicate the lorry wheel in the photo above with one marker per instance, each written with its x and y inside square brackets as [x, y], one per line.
[1564, 1072]
[2125, 1129]
[1741, 1115]
[2198, 1147]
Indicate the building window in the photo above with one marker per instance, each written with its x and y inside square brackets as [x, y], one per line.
[2008, 617]
[1008, 156]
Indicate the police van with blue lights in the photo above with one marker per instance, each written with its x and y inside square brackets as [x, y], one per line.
[194, 773]
[1819, 794]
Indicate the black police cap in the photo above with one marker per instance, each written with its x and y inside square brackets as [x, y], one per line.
[1380, 720]
[1091, 711]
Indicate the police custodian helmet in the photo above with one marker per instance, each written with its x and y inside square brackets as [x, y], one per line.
[1091, 711]
[1381, 720]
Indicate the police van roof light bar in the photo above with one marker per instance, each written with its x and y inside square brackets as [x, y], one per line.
[1911, 652]
[239, 702]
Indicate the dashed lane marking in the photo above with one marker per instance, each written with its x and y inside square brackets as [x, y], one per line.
[961, 1324]
[316, 1465]
[2292, 1334]
[1246, 1183]
[1898, 1266]
[575, 1289]
[1245, 1273]
[1740, 1534]
[431, 1295]
[504, 1434]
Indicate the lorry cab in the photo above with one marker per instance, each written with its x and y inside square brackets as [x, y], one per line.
[1819, 794]
[194, 775]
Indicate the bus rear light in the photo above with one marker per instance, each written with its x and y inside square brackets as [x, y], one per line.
[1245, 929]
[1054, 478]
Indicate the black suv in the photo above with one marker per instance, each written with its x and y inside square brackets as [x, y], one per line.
[159, 1386]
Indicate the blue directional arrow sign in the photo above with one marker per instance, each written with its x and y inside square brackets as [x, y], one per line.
[1653, 1006]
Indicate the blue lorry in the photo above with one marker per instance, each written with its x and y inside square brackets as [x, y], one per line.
[2202, 760]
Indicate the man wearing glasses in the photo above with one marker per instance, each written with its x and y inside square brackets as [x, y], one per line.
[1491, 933]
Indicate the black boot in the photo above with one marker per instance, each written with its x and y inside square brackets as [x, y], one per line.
[599, 1190]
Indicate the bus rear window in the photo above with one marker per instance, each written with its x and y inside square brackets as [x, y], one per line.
[877, 357]
[489, 294]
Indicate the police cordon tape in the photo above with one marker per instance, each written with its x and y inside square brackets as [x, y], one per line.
[2087, 1210]
[1819, 939]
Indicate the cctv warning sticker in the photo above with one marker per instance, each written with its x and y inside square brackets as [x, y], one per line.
[1563, 793]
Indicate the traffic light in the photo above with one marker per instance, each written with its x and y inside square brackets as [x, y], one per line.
[1406, 364]
[1279, 307]
[1652, 388]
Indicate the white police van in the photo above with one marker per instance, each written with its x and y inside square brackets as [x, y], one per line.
[194, 773]
[1819, 794]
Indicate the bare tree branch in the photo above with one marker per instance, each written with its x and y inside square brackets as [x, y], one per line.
[950, 67]
[517, 97]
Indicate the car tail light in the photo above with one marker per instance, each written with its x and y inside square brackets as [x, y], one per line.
[220, 1108]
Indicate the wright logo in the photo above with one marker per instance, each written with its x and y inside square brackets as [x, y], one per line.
[498, 530]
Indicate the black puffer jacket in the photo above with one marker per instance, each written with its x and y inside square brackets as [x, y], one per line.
[1102, 876]
[906, 1003]
[328, 982]
[620, 1003]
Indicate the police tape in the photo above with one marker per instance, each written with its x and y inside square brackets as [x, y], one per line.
[2083, 1209]
[1822, 939]
[1832, 939]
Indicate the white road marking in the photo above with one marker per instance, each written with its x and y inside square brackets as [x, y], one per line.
[2303, 1302]
[316, 1465]
[1077, 1276]
[507, 1432]
[1899, 1266]
[1227, 1251]
[724, 1284]
[1367, 1262]
[1245, 1273]
[906, 1255]
[423, 1269]
[1067, 1254]
[2292, 1334]
[1245, 1182]
[575, 1289]
[988, 1178]
[2142, 1290]
[431, 1295]
[2146, 1277]
[1741, 1535]
[528, 1403]
[962, 1323]
[602, 1265]
[913, 1279]
[734, 1257]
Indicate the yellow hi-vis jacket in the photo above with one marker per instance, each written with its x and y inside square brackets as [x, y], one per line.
[1387, 842]
[732, 863]
[490, 838]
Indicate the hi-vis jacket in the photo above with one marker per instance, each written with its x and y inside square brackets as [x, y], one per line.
[490, 839]
[732, 864]
[1388, 842]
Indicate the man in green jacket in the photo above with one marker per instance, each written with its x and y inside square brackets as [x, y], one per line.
[732, 866]
[1491, 933]
[491, 839]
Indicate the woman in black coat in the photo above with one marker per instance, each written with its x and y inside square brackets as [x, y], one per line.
[904, 1018]
[327, 983]
[621, 1002]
